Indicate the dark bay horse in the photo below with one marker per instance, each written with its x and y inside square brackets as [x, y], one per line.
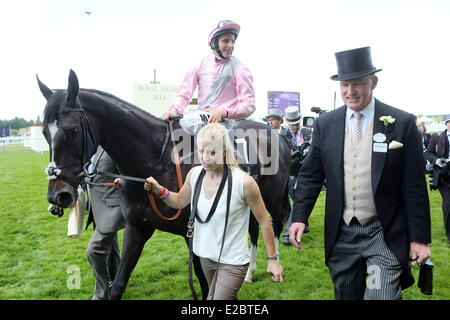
[77, 120]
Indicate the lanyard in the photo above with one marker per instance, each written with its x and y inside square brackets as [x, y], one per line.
[294, 137]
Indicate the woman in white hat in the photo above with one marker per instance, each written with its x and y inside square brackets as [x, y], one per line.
[225, 85]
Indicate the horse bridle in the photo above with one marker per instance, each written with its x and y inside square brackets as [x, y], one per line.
[89, 147]
[164, 169]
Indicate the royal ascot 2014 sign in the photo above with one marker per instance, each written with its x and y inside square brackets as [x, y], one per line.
[154, 98]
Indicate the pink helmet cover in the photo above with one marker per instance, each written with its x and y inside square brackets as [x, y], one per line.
[223, 25]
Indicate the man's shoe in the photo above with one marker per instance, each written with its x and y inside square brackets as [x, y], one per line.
[286, 242]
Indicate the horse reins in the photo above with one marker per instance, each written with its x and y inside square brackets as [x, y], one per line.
[54, 171]
[150, 194]
[89, 143]
[151, 197]
[176, 157]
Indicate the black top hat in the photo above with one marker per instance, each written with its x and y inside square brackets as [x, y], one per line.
[354, 64]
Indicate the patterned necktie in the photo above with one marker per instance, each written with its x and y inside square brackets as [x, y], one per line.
[356, 138]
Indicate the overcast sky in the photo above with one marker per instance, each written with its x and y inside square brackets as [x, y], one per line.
[288, 45]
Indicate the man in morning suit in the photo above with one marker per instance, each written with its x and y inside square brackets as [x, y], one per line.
[377, 209]
[103, 251]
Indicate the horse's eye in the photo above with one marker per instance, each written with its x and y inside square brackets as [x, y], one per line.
[71, 133]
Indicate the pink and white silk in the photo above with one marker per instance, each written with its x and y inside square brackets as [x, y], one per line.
[238, 97]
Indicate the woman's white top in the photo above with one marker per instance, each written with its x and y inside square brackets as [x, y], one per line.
[208, 236]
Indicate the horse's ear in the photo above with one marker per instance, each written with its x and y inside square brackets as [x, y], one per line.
[46, 92]
[72, 89]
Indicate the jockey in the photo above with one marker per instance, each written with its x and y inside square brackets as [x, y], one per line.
[225, 85]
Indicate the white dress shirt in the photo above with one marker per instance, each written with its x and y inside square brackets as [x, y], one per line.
[367, 114]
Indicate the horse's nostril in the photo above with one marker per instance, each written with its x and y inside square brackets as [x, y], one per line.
[51, 198]
[64, 199]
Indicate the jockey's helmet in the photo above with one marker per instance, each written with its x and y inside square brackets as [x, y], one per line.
[224, 27]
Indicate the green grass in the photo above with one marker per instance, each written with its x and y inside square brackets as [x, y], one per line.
[35, 251]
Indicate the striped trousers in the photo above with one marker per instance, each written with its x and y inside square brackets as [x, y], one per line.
[362, 266]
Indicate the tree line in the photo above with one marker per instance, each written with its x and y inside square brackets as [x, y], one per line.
[18, 123]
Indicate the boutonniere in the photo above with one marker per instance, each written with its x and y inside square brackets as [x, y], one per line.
[387, 120]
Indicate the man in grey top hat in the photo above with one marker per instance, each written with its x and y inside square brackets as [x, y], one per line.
[297, 136]
[377, 215]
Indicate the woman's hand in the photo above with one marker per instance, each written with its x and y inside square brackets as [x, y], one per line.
[274, 268]
[152, 185]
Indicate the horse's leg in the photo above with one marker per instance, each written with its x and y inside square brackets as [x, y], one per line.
[278, 208]
[277, 211]
[199, 273]
[277, 214]
[253, 229]
[133, 243]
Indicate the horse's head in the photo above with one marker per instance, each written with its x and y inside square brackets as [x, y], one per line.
[68, 133]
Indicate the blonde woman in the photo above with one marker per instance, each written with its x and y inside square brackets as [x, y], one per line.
[217, 159]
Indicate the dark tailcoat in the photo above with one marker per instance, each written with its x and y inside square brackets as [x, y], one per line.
[398, 182]
[104, 202]
[426, 139]
[306, 132]
[438, 148]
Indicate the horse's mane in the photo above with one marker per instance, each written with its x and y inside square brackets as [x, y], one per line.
[57, 98]
[122, 103]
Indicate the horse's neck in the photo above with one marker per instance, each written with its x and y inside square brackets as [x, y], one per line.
[132, 138]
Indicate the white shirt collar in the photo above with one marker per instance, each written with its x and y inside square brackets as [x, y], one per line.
[218, 59]
[367, 112]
